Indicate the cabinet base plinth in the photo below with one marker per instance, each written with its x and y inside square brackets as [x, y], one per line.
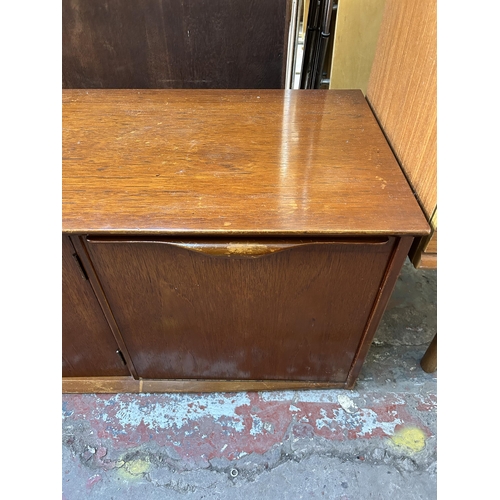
[112, 385]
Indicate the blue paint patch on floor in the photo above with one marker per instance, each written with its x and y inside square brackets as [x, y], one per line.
[65, 411]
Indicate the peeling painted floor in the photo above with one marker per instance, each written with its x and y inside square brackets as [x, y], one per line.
[375, 442]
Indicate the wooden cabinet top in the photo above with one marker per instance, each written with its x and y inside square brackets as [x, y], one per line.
[231, 162]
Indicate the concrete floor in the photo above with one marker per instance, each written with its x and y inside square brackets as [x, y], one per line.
[375, 442]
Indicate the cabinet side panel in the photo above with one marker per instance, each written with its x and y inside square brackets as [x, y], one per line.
[88, 346]
[386, 287]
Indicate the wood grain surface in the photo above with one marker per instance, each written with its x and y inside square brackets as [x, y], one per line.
[174, 43]
[431, 246]
[423, 253]
[88, 346]
[402, 91]
[427, 261]
[295, 313]
[216, 162]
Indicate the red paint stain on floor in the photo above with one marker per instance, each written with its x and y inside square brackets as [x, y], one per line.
[231, 426]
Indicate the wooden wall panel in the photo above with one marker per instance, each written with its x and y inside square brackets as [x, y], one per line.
[402, 91]
[174, 43]
[356, 33]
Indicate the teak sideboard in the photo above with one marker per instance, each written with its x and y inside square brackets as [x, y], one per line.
[226, 239]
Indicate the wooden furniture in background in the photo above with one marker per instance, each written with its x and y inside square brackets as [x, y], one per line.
[356, 34]
[429, 360]
[424, 250]
[402, 92]
[174, 43]
[235, 240]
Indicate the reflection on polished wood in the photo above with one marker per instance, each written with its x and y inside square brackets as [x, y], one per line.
[230, 162]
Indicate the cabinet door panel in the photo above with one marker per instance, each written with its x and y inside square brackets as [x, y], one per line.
[206, 309]
[88, 346]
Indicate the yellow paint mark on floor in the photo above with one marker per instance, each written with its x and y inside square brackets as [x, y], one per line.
[410, 438]
[134, 468]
